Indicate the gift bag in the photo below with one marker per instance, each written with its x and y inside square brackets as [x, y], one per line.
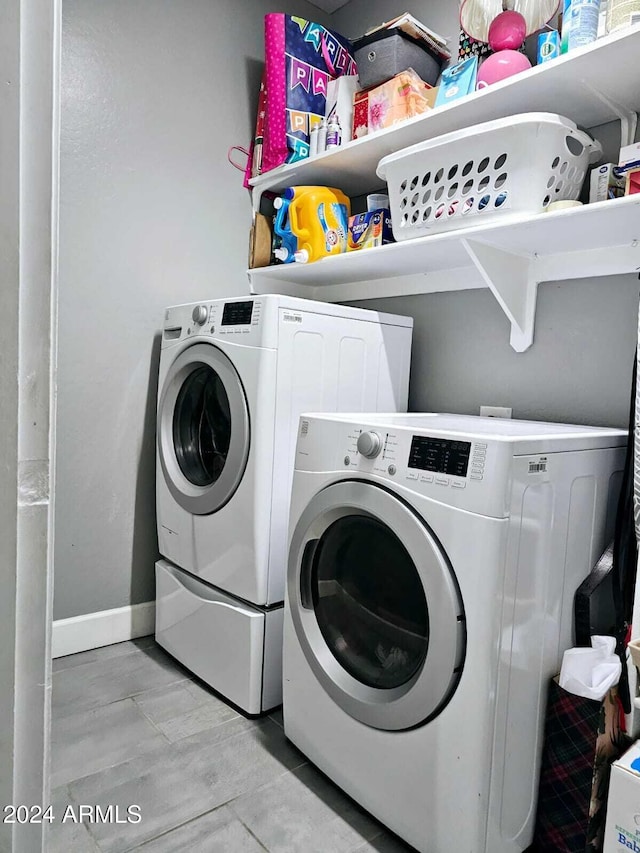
[582, 739]
[300, 58]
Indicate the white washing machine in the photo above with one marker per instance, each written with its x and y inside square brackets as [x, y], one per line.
[432, 565]
[234, 376]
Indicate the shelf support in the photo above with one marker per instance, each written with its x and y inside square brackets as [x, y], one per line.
[628, 118]
[511, 279]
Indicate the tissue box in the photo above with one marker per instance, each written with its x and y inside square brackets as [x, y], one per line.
[367, 230]
[622, 831]
[400, 98]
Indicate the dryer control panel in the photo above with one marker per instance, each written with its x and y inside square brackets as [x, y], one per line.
[416, 458]
[466, 471]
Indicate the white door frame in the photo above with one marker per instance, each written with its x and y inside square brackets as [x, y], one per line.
[29, 97]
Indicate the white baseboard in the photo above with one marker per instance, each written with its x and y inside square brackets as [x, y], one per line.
[104, 628]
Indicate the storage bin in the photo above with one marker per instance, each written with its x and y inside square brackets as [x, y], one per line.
[384, 54]
[506, 168]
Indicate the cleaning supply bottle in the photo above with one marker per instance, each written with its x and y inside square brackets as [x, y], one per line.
[319, 219]
[285, 243]
[334, 133]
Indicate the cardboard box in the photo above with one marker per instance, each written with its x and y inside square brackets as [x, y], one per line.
[629, 154]
[606, 181]
[622, 831]
[367, 230]
[402, 97]
[632, 185]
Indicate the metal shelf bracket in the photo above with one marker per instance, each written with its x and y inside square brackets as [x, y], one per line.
[628, 117]
[512, 281]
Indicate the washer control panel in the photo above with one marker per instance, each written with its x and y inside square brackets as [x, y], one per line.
[237, 321]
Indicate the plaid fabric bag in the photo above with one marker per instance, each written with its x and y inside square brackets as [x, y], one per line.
[582, 739]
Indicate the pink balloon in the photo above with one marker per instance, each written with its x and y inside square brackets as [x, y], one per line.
[500, 65]
[507, 31]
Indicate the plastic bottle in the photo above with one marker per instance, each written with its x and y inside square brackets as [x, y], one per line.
[313, 140]
[285, 242]
[322, 136]
[319, 219]
[334, 133]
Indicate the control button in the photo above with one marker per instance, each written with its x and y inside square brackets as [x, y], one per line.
[412, 475]
[458, 484]
[426, 478]
[481, 445]
[200, 315]
[442, 481]
[392, 469]
[347, 460]
[476, 476]
[479, 451]
[369, 444]
[476, 469]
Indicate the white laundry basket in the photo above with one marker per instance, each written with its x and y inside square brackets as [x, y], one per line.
[509, 167]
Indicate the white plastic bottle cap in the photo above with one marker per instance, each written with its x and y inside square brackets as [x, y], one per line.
[301, 256]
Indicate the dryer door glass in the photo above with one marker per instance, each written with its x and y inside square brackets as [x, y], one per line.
[369, 602]
[203, 429]
[202, 426]
[375, 605]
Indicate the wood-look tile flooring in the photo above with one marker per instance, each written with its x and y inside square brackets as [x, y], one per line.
[132, 727]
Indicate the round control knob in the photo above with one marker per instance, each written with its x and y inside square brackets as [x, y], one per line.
[369, 444]
[200, 314]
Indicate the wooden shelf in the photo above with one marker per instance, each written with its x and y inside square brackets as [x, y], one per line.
[591, 86]
[511, 258]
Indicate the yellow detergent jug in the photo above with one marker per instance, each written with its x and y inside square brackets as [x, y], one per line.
[319, 218]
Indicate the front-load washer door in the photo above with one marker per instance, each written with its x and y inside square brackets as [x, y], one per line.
[203, 429]
[376, 606]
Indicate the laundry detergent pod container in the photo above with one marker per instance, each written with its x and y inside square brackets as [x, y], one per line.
[508, 168]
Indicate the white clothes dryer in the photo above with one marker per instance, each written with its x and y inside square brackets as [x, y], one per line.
[432, 565]
[234, 376]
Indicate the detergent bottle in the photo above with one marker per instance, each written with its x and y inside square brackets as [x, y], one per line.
[285, 243]
[319, 219]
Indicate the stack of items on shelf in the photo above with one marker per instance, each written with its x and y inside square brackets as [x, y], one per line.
[614, 181]
[312, 98]
[313, 222]
[306, 65]
[399, 64]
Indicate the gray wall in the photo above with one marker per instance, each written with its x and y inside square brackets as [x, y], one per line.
[579, 367]
[152, 214]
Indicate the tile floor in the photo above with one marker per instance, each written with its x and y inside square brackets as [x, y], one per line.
[131, 726]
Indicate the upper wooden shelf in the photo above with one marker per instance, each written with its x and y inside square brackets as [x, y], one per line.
[591, 86]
